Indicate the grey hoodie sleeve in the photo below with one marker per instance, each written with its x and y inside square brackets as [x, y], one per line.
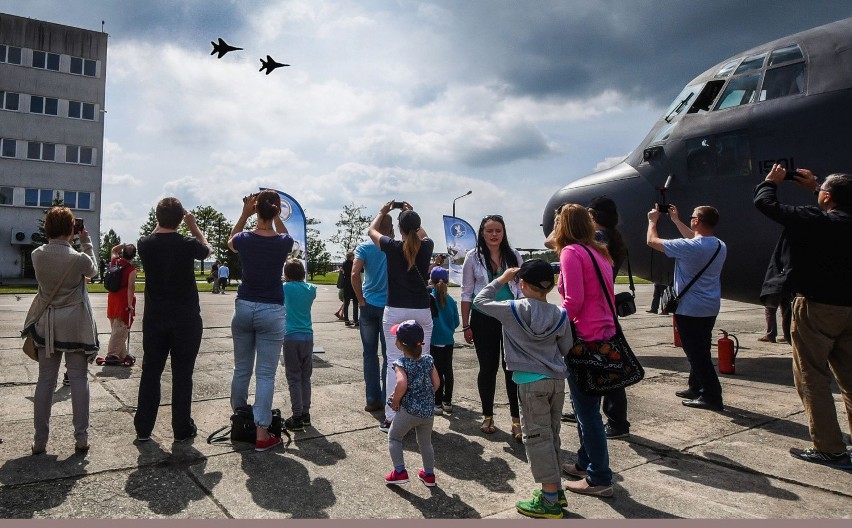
[485, 302]
[566, 341]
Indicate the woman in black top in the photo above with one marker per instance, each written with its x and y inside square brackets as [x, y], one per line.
[348, 292]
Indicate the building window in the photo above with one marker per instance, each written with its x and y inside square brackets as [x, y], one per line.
[70, 199]
[9, 100]
[41, 151]
[79, 110]
[10, 54]
[45, 61]
[38, 197]
[44, 105]
[81, 155]
[6, 196]
[8, 148]
[78, 200]
[83, 66]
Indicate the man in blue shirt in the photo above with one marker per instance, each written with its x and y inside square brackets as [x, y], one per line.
[372, 297]
[699, 305]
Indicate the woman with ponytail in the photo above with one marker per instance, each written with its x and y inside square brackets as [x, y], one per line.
[408, 296]
[444, 323]
[258, 324]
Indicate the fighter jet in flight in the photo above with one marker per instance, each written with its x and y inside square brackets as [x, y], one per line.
[269, 64]
[222, 48]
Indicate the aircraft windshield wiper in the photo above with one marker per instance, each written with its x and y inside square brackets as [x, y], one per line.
[679, 107]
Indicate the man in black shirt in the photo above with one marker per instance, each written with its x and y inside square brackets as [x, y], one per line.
[172, 319]
[816, 244]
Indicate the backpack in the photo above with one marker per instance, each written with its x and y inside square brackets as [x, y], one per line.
[112, 279]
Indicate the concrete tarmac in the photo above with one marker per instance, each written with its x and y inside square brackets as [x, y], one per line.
[677, 462]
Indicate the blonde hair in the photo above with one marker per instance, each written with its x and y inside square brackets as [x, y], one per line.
[575, 226]
[410, 247]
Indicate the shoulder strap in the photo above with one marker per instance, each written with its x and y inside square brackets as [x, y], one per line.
[603, 287]
[682, 293]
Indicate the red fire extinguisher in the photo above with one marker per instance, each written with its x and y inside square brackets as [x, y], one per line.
[677, 342]
[727, 353]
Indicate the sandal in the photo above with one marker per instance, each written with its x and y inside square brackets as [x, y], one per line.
[108, 360]
[487, 426]
[128, 361]
[517, 432]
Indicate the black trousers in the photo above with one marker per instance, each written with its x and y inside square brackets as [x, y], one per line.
[488, 340]
[615, 409]
[349, 296]
[443, 356]
[696, 335]
[164, 336]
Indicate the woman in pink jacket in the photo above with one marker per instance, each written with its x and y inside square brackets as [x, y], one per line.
[586, 304]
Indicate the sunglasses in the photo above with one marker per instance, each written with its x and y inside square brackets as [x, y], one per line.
[496, 217]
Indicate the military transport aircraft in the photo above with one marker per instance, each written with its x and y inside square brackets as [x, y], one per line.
[788, 101]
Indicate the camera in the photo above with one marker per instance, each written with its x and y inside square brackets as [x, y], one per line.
[397, 205]
[664, 208]
[245, 198]
[78, 225]
[791, 175]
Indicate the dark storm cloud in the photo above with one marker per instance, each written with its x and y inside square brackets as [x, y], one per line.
[648, 49]
[177, 21]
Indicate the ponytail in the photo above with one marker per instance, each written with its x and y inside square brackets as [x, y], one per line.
[410, 248]
[441, 293]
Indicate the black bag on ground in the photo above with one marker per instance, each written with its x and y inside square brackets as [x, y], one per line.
[243, 429]
[112, 278]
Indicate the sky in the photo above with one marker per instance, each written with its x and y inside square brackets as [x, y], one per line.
[404, 100]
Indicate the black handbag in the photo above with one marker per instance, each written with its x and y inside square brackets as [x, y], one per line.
[670, 305]
[601, 367]
[625, 302]
[243, 429]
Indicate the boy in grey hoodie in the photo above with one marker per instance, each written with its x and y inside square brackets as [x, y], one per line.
[536, 337]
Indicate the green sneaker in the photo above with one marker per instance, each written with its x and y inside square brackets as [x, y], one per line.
[562, 501]
[539, 508]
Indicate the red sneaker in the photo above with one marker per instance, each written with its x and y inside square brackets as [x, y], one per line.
[269, 443]
[429, 480]
[397, 478]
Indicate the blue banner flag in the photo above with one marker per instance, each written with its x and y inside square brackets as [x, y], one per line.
[461, 238]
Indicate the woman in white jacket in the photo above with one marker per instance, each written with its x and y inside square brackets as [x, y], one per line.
[488, 260]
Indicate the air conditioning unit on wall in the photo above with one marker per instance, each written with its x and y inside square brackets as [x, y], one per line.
[22, 236]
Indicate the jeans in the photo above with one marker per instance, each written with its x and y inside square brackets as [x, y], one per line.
[655, 300]
[391, 317]
[371, 334]
[163, 336]
[593, 455]
[773, 302]
[696, 334]
[258, 332]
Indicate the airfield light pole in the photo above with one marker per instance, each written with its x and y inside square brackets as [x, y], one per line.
[468, 193]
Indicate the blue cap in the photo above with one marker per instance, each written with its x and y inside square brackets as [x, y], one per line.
[439, 273]
[409, 332]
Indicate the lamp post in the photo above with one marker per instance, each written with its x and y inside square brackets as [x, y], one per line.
[454, 201]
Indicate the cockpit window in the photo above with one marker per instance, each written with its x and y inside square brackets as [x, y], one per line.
[755, 62]
[740, 91]
[782, 55]
[681, 102]
[726, 70]
[783, 81]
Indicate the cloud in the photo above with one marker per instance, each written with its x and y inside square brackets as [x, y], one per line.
[124, 180]
[609, 162]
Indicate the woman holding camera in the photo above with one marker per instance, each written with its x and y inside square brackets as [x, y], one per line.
[488, 260]
[61, 322]
[408, 296]
[258, 323]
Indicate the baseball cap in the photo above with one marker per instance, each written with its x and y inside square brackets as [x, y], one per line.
[409, 332]
[409, 221]
[537, 272]
[439, 273]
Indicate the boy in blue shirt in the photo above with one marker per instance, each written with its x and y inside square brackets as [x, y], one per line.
[298, 343]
